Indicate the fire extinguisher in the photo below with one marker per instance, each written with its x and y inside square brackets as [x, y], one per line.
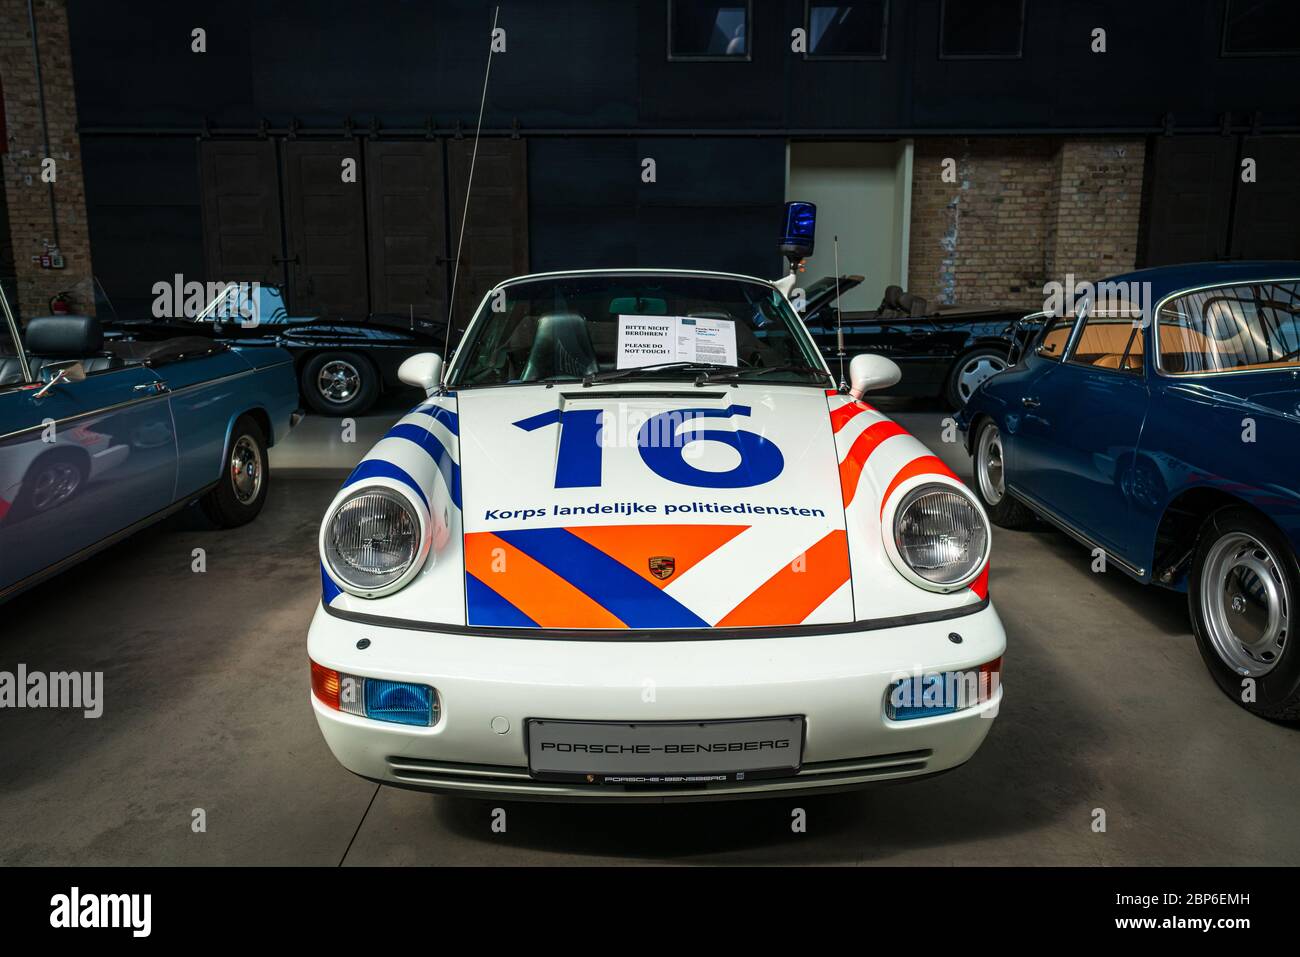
[59, 305]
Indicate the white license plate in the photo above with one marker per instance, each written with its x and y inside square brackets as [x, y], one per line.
[664, 752]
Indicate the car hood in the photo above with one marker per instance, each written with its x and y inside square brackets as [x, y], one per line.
[652, 506]
[591, 508]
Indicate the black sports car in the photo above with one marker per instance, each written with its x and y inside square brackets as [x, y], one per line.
[343, 365]
[945, 351]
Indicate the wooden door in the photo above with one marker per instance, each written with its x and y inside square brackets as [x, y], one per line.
[242, 241]
[1266, 217]
[406, 208]
[325, 228]
[496, 234]
[1190, 199]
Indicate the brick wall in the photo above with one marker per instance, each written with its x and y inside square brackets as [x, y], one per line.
[1097, 207]
[27, 197]
[1023, 211]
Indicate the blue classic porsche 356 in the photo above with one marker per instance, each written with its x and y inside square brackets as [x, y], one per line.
[1159, 423]
[95, 444]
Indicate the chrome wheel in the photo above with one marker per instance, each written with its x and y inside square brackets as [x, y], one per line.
[989, 469]
[974, 371]
[1245, 604]
[246, 469]
[54, 485]
[338, 381]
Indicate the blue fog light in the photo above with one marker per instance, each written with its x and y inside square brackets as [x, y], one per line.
[401, 702]
[927, 696]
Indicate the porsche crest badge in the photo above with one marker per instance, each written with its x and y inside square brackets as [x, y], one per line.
[662, 566]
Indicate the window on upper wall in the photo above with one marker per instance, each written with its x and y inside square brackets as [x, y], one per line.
[1261, 28]
[981, 29]
[698, 30]
[847, 31]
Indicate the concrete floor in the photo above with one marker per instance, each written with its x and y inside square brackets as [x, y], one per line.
[1107, 706]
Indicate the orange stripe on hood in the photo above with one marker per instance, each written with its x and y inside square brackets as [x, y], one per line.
[796, 591]
[533, 588]
[635, 545]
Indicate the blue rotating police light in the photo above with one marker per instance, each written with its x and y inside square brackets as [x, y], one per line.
[797, 239]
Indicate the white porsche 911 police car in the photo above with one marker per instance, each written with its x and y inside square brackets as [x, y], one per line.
[636, 546]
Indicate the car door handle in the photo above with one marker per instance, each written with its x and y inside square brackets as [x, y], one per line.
[1029, 402]
[153, 388]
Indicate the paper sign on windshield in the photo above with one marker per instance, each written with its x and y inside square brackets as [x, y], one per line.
[649, 340]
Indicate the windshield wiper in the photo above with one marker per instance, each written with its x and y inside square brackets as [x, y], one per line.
[740, 374]
[611, 374]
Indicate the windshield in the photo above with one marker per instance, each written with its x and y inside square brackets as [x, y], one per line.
[624, 326]
[1232, 329]
[247, 303]
[11, 366]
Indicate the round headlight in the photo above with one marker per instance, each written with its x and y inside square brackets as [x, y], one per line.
[941, 534]
[372, 540]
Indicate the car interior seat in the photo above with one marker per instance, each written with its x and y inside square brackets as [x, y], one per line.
[1105, 341]
[11, 371]
[561, 347]
[1236, 341]
[891, 304]
[1114, 360]
[912, 306]
[54, 339]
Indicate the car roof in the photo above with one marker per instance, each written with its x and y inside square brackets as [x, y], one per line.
[1167, 280]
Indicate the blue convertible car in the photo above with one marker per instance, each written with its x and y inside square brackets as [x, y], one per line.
[98, 442]
[1160, 424]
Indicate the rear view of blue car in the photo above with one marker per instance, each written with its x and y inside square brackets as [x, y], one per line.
[97, 442]
[1160, 426]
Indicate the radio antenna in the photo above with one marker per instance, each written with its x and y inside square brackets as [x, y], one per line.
[469, 185]
[839, 315]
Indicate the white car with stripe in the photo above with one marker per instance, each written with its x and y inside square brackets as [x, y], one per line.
[570, 574]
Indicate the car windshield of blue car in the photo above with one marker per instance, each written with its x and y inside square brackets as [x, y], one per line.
[595, 328]
[11, 367]
[1242, 328]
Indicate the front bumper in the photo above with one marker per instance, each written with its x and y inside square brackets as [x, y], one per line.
[489, 686]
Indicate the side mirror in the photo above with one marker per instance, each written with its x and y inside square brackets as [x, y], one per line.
[424, 371]
[869, 372]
